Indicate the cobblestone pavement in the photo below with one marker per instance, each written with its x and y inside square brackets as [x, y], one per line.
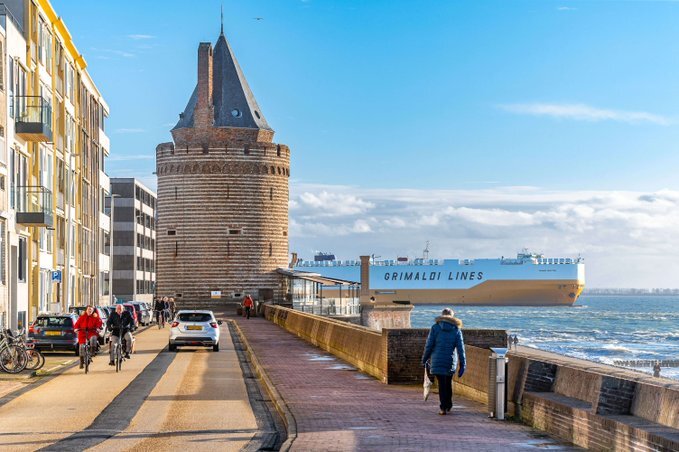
[338, 408]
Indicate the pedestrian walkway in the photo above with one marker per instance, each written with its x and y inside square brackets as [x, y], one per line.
[335, 407]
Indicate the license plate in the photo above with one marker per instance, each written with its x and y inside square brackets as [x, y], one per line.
[194, 327]
[52, 333]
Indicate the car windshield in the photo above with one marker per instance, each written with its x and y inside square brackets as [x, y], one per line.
[54, 321]
[194, 317]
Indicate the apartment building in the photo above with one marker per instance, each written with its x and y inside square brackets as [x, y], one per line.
[52, 157]
[133, 209]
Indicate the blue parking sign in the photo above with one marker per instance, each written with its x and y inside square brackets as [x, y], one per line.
[56, 276]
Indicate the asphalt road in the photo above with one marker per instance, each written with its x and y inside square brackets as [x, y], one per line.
[194, 398]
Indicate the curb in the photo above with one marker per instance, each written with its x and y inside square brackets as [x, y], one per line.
[276, 398]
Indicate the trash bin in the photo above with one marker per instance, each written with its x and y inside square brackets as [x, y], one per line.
[496, 383]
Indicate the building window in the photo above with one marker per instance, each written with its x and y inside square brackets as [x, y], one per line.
[234, 231]
[271, 194]
[21, 265]
[270, 249]
[172, 232]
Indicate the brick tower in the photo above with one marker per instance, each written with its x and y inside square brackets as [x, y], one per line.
[222, 192]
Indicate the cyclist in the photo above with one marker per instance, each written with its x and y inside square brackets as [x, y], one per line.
[120, 325]
[86, 326]
[159, 307]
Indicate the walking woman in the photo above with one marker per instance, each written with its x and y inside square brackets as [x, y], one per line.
[445, 347]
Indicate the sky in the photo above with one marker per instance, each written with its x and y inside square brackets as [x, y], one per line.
[480, 126]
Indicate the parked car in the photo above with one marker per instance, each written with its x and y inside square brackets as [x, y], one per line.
[54, 332]
[142, 312]
[103, 314]
[194, 328]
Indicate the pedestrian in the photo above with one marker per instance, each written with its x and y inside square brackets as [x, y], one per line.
[516, 341]
[656, 369]
[248, 304]
[445, 348]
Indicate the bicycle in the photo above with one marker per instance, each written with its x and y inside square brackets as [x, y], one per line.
[160, 319]
[13, 359]
[118, 354]
[36, 360]
[86, 354]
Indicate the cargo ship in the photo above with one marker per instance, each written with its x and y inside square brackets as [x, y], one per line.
[530, 279]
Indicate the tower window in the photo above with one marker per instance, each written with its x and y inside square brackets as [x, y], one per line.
[175, 193]
[257, 114]
[278, 150]
[176, 248]
[236, 113]
[271, 193]
[270, 249]
[171, 232]
[234, 231]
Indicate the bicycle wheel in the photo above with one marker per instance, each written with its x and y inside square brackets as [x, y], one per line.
[35, 359]
[87, 358]
[13, 360]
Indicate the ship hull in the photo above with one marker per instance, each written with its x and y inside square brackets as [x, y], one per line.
[491, 293]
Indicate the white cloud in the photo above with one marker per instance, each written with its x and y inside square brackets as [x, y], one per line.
[566, 8]
[334, 204]
[138, 37]
[583, 112]
[630, 239]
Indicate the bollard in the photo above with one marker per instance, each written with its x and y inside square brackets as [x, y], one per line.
[496, 385]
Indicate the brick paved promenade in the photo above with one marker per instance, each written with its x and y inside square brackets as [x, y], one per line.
[337, 408]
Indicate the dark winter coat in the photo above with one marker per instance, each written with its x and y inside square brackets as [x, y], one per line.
[445, 346]
[119, 324]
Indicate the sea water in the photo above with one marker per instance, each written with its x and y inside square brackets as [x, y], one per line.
[608, 329]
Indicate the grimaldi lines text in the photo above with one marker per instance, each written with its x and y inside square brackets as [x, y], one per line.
[529, 279]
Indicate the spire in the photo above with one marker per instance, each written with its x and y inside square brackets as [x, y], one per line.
[222, 32]
[233, 104]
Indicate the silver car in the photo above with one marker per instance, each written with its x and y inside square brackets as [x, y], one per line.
[194, 328]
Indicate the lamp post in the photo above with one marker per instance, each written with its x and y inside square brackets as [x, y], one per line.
[112, 197]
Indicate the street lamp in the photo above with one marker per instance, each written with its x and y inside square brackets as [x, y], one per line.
[112, 197]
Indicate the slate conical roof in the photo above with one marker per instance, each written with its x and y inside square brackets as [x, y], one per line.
[234, 104]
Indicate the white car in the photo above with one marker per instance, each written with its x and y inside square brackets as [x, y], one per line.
[194, 328]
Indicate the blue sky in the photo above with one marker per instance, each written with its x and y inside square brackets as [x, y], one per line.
[512, 100]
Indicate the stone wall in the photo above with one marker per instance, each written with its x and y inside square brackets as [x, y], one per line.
[393, 355]
[593, 405]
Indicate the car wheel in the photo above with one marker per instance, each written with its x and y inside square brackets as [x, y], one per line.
[215, 348]
[172, 347]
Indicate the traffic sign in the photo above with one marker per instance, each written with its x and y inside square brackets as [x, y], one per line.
[56, 276]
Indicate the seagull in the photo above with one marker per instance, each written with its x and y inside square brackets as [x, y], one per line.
[258, 18]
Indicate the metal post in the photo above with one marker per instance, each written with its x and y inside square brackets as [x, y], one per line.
[498, 356]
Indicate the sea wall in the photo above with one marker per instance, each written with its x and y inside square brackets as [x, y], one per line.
[592, 405]
[393, 355]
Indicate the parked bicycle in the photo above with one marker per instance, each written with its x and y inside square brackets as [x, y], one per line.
[13, 359]
[35, 359]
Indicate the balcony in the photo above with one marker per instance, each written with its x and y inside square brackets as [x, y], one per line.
[33, 206]
[33, 116]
